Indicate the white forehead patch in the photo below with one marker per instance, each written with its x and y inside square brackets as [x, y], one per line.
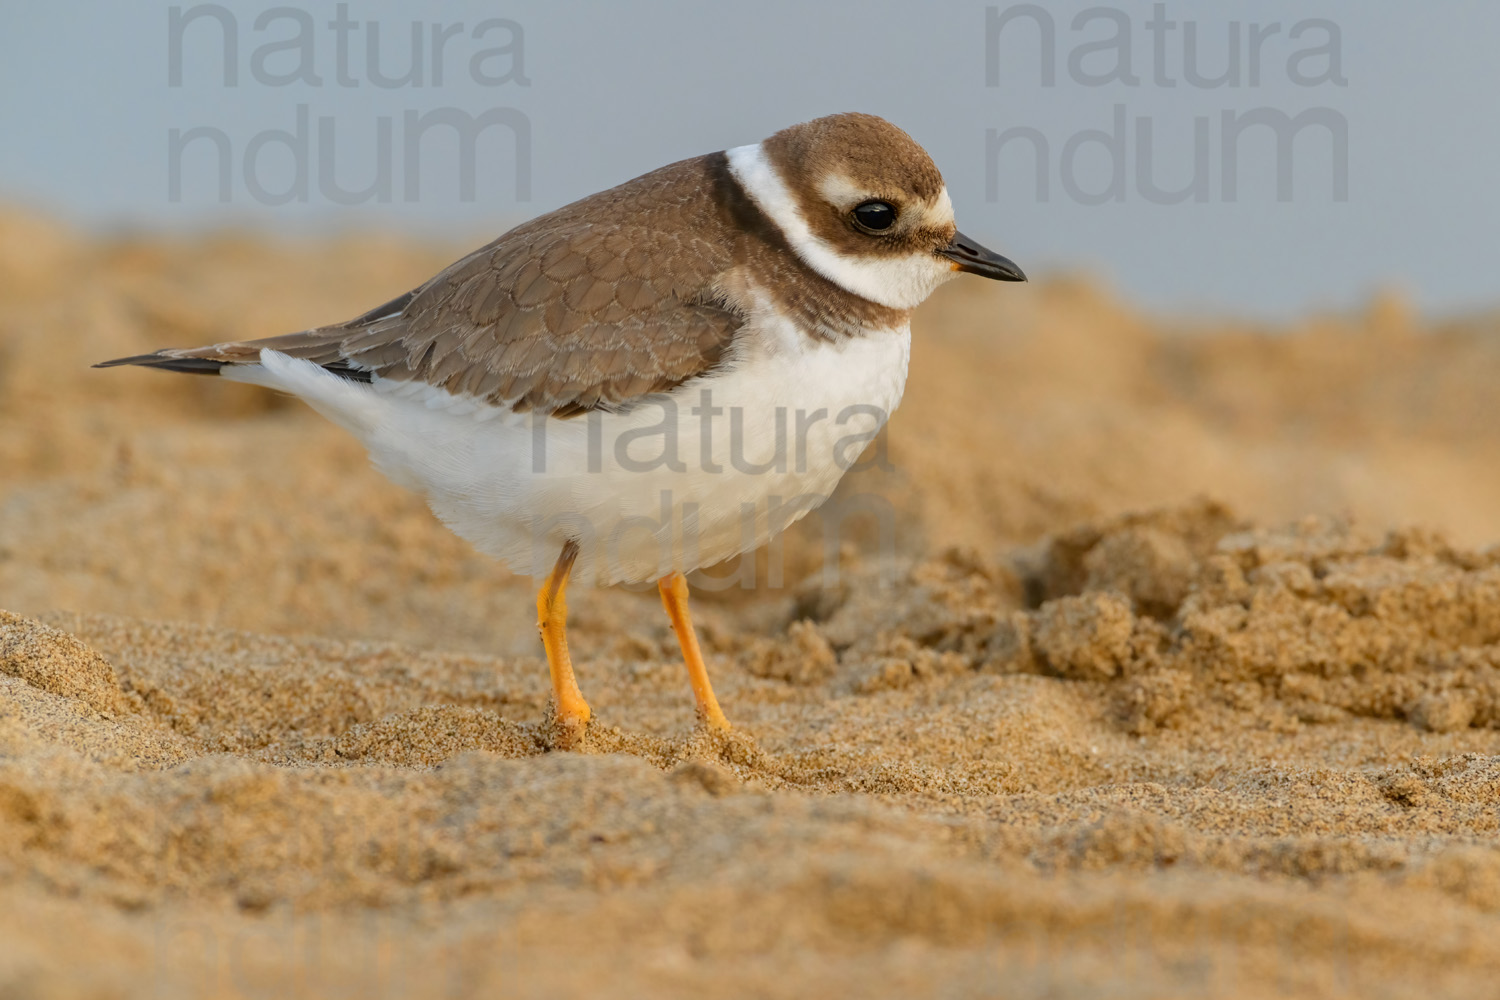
[941, 213]
[896, 282]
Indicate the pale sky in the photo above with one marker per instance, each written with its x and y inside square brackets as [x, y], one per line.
[1391, 176]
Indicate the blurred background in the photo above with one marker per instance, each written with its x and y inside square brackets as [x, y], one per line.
[1261, 234]
[1261, 158]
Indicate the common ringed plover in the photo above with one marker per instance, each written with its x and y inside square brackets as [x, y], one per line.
[652, 379]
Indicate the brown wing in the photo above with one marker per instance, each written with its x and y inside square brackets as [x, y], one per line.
[591, 306]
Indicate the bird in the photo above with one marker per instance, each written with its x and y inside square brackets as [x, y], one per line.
[650, 380]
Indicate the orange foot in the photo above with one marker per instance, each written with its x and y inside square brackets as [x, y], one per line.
[572, 712]
[674, 597]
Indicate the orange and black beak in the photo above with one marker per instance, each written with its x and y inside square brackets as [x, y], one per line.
[975, 259]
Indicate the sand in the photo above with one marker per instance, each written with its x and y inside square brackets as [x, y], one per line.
[1179, 675]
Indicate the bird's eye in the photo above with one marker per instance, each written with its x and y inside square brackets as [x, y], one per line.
[875, 216]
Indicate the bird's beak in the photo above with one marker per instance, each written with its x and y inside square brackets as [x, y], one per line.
[975, 259]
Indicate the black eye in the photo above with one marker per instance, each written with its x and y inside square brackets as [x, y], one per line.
[875, 216]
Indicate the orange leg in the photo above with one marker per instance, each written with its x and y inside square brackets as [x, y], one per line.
[552, 621]
[674, 597]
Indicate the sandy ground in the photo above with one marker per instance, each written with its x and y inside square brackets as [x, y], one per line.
[1178, 675]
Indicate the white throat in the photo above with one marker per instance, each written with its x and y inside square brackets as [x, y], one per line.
[897, 282]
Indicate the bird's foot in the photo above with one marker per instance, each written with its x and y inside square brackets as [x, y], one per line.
[731, 746]
[565, 729]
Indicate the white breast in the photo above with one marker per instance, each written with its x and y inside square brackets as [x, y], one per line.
[684, 480]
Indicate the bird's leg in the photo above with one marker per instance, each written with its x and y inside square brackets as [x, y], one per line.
[674, 597]
[552, 621]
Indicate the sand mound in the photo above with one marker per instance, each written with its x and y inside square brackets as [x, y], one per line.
[54, 661]
[1065, 729]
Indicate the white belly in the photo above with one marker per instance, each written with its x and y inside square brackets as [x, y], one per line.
[684, 480]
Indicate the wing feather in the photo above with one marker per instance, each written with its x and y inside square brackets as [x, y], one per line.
[594, 305]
